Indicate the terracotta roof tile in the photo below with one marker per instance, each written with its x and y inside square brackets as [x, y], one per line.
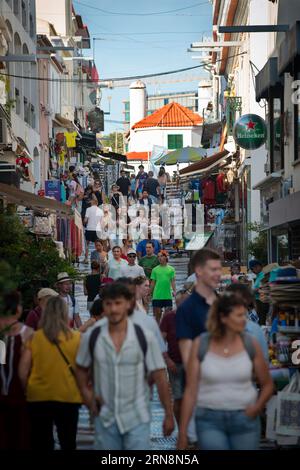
[170, 115]
[138, 156]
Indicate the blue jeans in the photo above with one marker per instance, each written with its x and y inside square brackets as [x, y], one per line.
[110, 438]
[226, 430]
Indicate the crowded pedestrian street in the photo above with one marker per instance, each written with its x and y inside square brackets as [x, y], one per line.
[149, 230]
[85, 435]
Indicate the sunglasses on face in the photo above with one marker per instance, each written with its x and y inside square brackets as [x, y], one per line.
[131, 256]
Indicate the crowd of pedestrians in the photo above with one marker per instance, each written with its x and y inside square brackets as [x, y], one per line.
[199, 349]
[202, 348]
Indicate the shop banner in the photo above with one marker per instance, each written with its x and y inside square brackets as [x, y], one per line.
[52, 189]
[250, 131]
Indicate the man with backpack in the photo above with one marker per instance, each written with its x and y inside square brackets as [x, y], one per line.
[122, 357]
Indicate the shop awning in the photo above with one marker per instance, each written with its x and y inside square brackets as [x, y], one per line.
[88, 140]
[268, 80]
[268, 181]
[114, 156]
[26, 199]
[198, 241]
[206, 164]
[64, 122]
[128, 167]
[289, 50]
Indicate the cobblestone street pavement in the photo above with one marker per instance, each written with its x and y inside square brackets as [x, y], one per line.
[85, 436]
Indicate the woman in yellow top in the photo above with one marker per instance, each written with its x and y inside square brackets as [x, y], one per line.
[47, 374]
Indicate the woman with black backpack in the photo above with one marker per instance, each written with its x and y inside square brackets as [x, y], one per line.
[220, 381]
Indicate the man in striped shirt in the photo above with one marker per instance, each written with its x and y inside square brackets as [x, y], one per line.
[121, 369]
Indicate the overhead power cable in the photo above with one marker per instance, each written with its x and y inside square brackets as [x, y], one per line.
[141, 14]
[115, 79]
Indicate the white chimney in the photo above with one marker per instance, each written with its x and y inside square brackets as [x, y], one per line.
[138, 101]
[204, 95]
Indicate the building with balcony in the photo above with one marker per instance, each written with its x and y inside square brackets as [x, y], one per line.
[277, 89]
[20, 129]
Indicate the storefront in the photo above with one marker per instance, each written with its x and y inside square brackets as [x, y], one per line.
[214, 183]
[45, 217]
[280, 189]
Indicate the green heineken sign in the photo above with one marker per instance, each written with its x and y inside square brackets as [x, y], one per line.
[250, 131]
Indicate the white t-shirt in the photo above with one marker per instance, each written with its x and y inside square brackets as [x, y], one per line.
[115, 268]
[93, 214]
[71, 309]
[132, 271]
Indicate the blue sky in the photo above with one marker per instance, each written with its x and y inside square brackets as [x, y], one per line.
[125, 48]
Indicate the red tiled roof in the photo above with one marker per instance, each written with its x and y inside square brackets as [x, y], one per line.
[170, 115]
[138, 156]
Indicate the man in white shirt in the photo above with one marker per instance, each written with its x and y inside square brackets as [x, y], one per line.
[116, 264]
[64, 287]
[122, 358]
[132, 269]
[92, 220]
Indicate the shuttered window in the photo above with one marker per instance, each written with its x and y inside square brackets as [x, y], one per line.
[175, 141]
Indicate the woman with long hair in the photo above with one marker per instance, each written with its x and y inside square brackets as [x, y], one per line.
[14, 422]
[47, 374]
[142, 285]
[220, 380]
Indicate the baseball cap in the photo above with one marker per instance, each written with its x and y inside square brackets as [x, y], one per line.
[46, 292]
[131, 252]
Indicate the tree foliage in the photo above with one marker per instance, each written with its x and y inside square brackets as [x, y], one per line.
[258, 247]
[27, 262]
[110, 141]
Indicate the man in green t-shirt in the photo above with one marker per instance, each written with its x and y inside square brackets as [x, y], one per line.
[149, 261]
[163, 283]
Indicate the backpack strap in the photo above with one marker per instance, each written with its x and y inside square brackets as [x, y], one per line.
[246, 338]
[249, 345]
[204, 345]
[92, 341]
[142, 342]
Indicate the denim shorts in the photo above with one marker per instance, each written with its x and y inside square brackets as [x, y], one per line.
[226, 430]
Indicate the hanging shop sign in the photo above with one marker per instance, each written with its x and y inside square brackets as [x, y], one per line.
[52, 189]
[250, 131]
[96, 120]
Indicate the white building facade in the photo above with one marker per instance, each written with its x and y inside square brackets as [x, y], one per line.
[19, 18]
